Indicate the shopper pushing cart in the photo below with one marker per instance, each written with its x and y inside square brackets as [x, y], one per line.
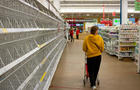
[93, 46]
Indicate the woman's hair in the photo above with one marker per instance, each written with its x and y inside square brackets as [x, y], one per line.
[93, 29]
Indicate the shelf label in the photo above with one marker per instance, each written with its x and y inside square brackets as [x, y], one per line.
[38, 46]
[42, 45]
[4, 30]
[43, 76]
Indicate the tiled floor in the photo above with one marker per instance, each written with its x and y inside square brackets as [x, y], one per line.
[114, 74]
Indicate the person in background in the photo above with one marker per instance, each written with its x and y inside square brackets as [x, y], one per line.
[93, 46]
[71, 34]
[77, 33]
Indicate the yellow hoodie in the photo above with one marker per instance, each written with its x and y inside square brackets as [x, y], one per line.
[93, 45]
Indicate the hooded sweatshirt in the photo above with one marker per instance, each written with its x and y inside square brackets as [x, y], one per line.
[93, 45]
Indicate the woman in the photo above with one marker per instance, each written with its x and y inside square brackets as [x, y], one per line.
[77, 33]
[93, 46]
[71, 35]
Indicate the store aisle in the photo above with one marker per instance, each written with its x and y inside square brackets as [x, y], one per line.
[114, 74]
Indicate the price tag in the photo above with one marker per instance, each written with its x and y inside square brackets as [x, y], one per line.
[39, 46]
[4, 30]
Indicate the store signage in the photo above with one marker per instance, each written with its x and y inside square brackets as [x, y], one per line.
[116, 21]
[137, 5]
[107, 23]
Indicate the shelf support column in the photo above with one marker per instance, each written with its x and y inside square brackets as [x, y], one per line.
[138, 67]
[123, 11]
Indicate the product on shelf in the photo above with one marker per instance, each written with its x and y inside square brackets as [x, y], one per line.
[127, 49]
[120, 41]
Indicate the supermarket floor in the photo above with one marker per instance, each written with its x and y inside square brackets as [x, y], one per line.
[114, 74]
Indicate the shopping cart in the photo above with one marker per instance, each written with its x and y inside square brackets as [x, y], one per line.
[86, 75]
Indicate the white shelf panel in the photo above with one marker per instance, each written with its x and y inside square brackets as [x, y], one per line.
[35, 70]
[127, 41]
[21, 59]
[15, 30]
[128, 37]
[38, 10]
[126, 51]
[127, 45]
[128, 33]
[112, 34]
[54, 69]
[128, 30]
[125, 56]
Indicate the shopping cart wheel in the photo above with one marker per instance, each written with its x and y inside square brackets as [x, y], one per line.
[98, 82]
[84, 82]
[86, 77]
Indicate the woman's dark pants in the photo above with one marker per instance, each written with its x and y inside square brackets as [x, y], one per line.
[93, 68]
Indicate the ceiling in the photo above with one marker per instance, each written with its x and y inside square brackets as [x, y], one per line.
[94, 8]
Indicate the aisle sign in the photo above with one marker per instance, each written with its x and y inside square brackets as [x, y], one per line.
[137, 5]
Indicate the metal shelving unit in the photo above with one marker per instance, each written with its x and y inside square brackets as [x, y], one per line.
[32, 39]
[138, 62]
[127, 41]
[110, 37]
[137, 51]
